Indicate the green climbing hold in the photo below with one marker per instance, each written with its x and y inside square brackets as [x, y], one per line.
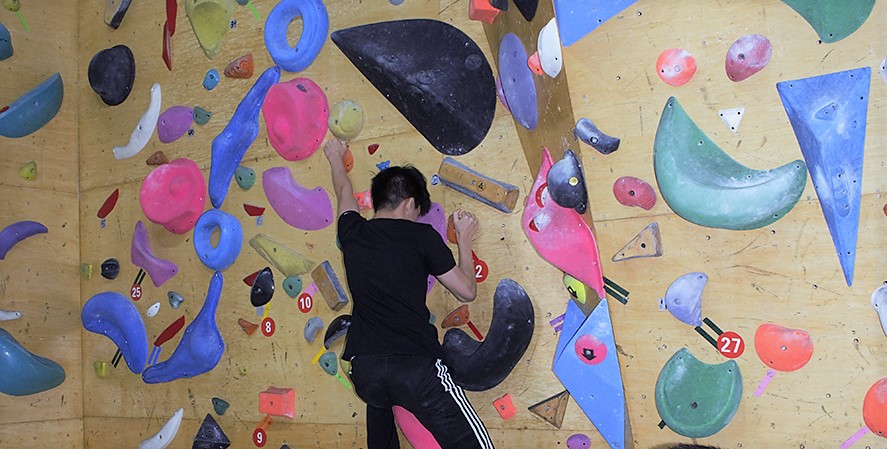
[220, 406]
[831, 19]
[201, 116]
[245, 177]
[175, 299]
[292, 285]
[28, 171]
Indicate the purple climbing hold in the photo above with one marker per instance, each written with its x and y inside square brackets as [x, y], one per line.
[174, 123]
[517, 81]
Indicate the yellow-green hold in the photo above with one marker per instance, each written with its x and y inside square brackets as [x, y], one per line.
[12, 5]
[28, 171]
[210, 20]
[86, 271]
[101, 369]
[346, 119]
[577, 289]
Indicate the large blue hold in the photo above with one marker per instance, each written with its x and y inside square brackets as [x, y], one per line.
[517, 81]
[315, 28]
[201, 346]
[221, 256]
[577, 18]
[33, 109]
[114, 316]
[230, 146]
[23, 373]
[828, 114]
[5, 43]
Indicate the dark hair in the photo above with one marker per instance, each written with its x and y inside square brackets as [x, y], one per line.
[395, 184]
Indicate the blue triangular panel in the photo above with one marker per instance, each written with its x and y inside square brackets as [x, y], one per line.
[828, 114]
[596, 388]
[577, 18]
[572, 320]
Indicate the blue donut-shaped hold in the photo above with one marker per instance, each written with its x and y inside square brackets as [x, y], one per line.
[220, 257]
[315, 28]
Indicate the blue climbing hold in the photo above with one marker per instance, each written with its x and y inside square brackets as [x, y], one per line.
[224, 254]
[211, 80]
[517, 81]
[33, 109]
[577, 18]
[5, 43]
[23, 372]
[114, 316]
[315, 27]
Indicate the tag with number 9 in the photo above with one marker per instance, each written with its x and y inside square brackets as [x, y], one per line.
[259, 437]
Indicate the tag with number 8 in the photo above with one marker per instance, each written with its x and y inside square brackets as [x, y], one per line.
[268, 327]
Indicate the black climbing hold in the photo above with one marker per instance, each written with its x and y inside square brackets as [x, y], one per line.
[566, 183]
[444, 87]
[590, 134]
[337, 329]
[110, 269]
[112, 72]
[501, 5]
[527, 8]
[115, 10]
[263, 288]
[479, 366]
[210, 435]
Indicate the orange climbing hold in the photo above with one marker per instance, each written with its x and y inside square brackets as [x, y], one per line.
[248, 327]
[241, 67]
[278, 402]
[505, 407]
[348, 160]
[535, 64]
[874, 408]
[782, 348]
[482, 10]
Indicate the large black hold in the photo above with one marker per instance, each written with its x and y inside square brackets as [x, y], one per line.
[479, 366]
[210, 435]
[432, 72]
[112, 72]
[263, 288]
[566, 183]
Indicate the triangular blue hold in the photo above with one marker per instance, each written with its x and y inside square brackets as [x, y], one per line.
[588, 367]
[828, 114]
[577, 18]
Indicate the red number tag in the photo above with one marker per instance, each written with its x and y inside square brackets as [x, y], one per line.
[135, 292]
[731, 345]
[481, 270]
[260, 437]
[268, 327]
[306, 302]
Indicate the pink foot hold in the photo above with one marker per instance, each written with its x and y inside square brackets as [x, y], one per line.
[634, 192]
[675, 66]
[747, 56]
[174, 195]
[296, 113]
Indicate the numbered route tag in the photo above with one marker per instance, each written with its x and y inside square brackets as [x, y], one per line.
[260, 437]
[268, 326]
[305, 301]
[731, 345]
[481, 269]
[135, 292]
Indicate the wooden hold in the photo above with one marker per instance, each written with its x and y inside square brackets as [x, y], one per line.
[329, 286]
[278, 402]
[552, 409]
[647, 243]
[493, 193]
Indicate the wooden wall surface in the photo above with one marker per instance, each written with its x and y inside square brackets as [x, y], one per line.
[785, 273]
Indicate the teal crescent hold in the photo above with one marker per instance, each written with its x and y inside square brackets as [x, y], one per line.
[833, 20]
[33, 109]
[23, 373]
[705, 186]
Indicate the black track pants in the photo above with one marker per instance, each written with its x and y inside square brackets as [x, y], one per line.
[423, 386]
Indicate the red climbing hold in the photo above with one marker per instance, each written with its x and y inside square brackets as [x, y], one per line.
[109, 204]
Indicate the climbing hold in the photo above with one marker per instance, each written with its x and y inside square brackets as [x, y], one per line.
[115, 10]
[241, 67]
[173, 195]
[209, 20]
[101, 369]
[175, 299]
[435, 218]
[560, 235]
[330, 288]
[25, 373]
[16, 232]
[223, 254]
[782, 348]
[210, 435]
[747, 56]
[444, 88]
[114, 316]
[109, 204]
[284, 258]
[705, 186]
[578, 441]
[683, 299]
[278, 402]
[348, 160]
[143, 257]
[505, 406]
[482, 10]
[174, 123]
[201, 116]
[459, 316]
[245, 177]
[167, 433]
[646, 243]
[479, 366]
[833, 21]
[5, 43]
[566, 183]
[634, 192]
[828, 114]
[879, 302]
[34, 109]
[248, 327]
[111, 73]
[345, 119]
[517, 81]
[534, 64]
[296, 114]
[144, 128]
[591, 135]
[11, 5]
[231, 144]
[172, 11]
[577, 290]
[86, 271]
[201, 346]
[696, 399]
[152, 311]
[372, 148]
[312, 328]
[110, 269]
[166, 52]
[489, 191]
[527, 8]
[732, 118]
[336, 331]
[675, 66]
[874, 408]
[315, 27]
[415, 433]
[263, 288]
[9, 315]
[292, 285]
[578, 18]
[211, 79]
[220, 406]
[301, 208]
[548, 46]
[158, 158]
[552, 410]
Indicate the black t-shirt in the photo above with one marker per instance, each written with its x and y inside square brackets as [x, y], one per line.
[387, 263]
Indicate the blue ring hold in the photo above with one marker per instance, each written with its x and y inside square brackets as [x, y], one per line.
[222, 256]
[315, 28]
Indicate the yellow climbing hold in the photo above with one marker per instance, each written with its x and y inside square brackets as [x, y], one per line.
[210, 20]
[28, 171]
[346, 119]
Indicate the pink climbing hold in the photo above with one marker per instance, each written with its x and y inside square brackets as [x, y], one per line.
[535, 64]
[296, 113]
[413, 430]
[301, 208]
[675, 66]
[173, 195]
[634, 192]
[174, 123]
[747, 56]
